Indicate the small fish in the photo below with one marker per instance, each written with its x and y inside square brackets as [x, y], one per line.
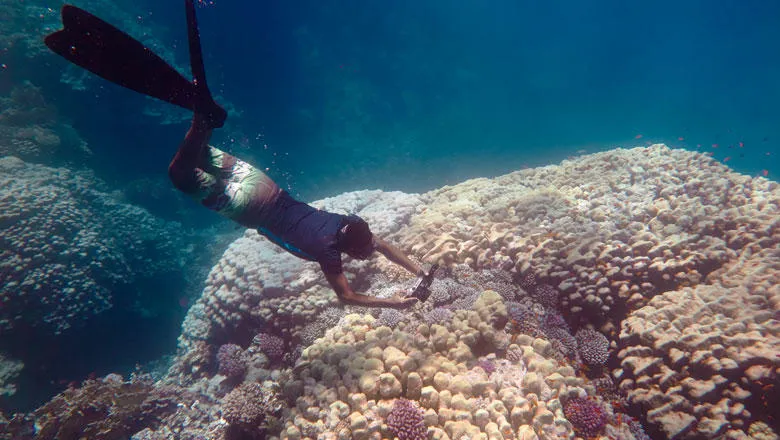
[714, 145]
[765, 139]
[741, 144]
[639, 136]
[727, 159]
[765, 173]
[680, 138]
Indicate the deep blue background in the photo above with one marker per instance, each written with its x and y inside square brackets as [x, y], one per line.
[412, 95]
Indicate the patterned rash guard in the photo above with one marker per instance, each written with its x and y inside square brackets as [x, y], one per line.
[242, 193]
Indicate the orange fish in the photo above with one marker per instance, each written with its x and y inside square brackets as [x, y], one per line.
[765, 172]
[714, 145]
[680, 138]
[727, 159]
[741, 145]
[639, 136]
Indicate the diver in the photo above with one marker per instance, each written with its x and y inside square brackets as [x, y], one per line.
[218, 180]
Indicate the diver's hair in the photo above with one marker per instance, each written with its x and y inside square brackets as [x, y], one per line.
[354, 233]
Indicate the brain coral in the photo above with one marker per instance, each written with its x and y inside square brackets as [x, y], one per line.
[66, 245]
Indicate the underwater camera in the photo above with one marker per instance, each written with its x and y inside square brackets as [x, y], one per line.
[420, 289]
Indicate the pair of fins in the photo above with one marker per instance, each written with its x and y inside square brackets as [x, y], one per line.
[91, 43]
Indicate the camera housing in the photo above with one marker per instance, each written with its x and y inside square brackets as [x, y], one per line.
[421, 290]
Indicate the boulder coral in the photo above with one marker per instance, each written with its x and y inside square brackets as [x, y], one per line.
[58, 269]
[608, 228]
[357, 372]
[703, 360]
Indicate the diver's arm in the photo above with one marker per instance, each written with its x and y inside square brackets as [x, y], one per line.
[346, 294]
[396, 256]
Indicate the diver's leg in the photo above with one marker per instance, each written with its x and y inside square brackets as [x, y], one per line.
[187, 163]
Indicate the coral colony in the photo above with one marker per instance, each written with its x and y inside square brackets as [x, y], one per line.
[629, 294]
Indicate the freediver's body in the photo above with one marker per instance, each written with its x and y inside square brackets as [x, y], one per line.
[218, 180]
[248, 196]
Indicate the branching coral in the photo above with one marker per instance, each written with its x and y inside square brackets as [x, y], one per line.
[406, 422]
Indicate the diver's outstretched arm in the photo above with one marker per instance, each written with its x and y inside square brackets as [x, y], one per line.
[398, 257]
[345, 293]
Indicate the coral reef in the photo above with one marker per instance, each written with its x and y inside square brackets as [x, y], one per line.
[232, 361]
[703, 361]
[9, 369]
[30, 129]
[247, 407]
[635, 249]
[664, 263]
[102, 409]
[257, 287]
[270, 345]
[608, 229]
[586, 416]
[59, 270]
[593, 347]
[406, 422]
[355, 377]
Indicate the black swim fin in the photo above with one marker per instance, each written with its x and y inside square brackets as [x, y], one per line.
[106, 51]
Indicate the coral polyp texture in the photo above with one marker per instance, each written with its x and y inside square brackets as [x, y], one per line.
[587, 417]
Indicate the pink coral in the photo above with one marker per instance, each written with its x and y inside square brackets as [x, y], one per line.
[406, 422]
[586, 416]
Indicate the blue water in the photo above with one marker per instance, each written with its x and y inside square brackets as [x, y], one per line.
[408, 95]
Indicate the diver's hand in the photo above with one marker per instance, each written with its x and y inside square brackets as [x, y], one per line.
[402, 302]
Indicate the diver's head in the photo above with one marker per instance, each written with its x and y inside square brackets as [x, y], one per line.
[355, 238]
